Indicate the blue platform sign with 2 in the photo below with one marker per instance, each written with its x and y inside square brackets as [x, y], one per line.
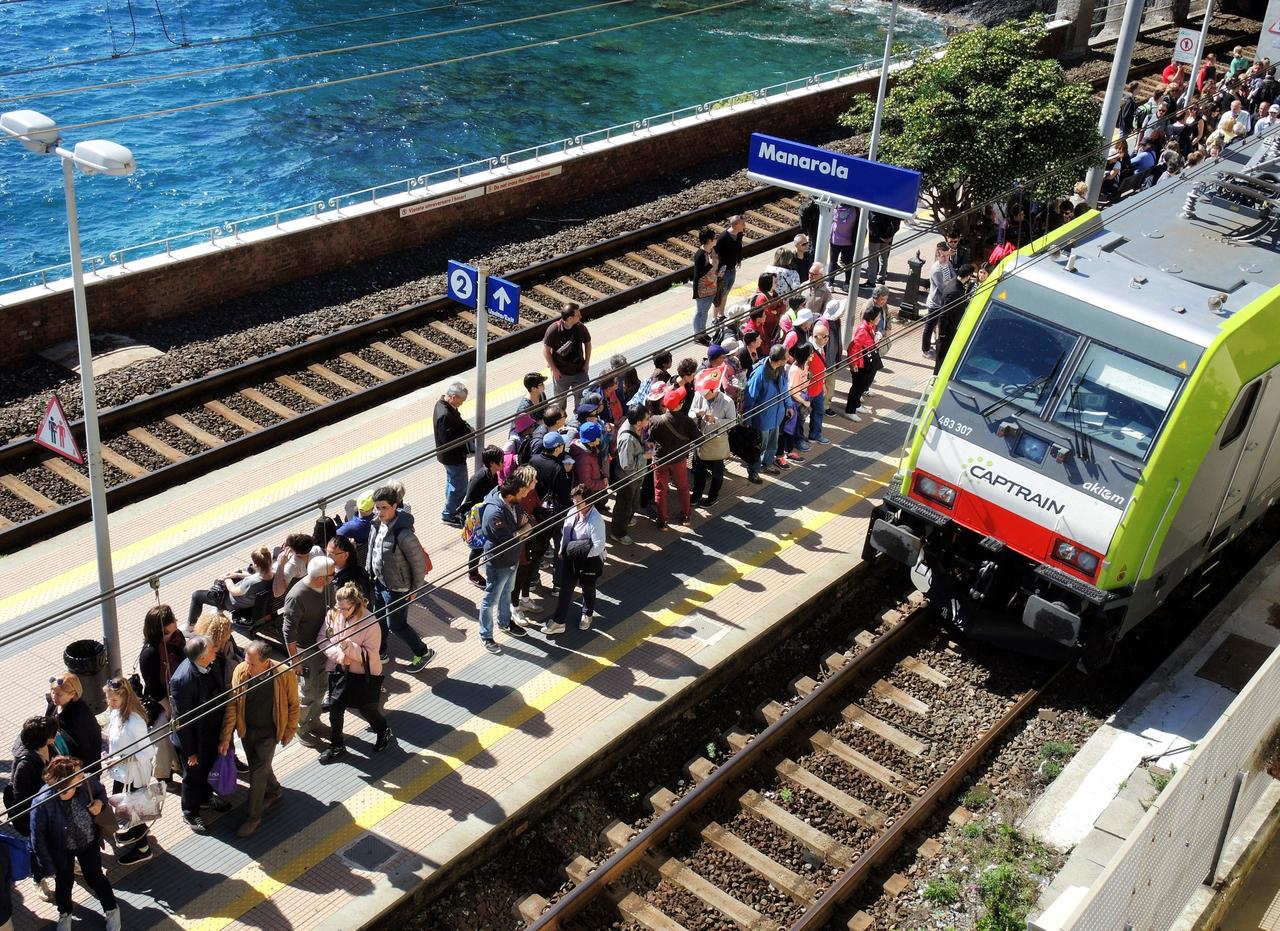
[846, 178]
[502, 297]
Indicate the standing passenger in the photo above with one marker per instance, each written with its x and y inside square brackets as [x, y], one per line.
[351, 648]
[729, 251]
[706, 282]
[502, 524]
[398, 566]
[192, 688]
[567, 348]
[715, 413]
[303, 613]
[581, 561]
[450, 432]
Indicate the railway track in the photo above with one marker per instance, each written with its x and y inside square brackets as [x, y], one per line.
[161, 440]
[784, 830]
[170, 437]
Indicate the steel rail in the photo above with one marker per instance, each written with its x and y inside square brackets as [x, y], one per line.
[888, 843]
[745, 759]
[247, 373]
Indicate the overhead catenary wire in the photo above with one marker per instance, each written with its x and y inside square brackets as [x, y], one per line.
[390, 72]
[258, 529]
[220, 702]
[228, 40]
[302, 56]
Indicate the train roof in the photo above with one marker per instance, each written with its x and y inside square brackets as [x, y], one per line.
[1182, 275]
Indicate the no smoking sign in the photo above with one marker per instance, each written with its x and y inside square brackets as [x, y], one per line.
[1184, 48]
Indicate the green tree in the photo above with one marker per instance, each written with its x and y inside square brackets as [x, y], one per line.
[990, 111]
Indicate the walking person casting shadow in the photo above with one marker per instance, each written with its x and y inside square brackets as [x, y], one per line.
[355, 671]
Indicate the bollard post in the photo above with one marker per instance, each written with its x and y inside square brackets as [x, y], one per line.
[910, 305]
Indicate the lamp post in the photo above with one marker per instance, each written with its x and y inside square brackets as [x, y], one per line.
[851, 299]
[39, 134]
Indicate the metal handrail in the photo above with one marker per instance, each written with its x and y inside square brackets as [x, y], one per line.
[421, 185]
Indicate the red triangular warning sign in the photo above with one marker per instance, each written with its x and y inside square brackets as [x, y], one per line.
[55, 432]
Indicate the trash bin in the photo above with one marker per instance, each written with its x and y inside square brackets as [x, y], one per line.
[910, 306]
[88, 660]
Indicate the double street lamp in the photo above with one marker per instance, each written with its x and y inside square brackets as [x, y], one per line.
[39, 134]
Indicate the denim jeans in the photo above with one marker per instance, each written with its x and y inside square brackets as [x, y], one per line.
[701, 305]
[768, 449]
[395, 618]
[730, 276]
[497, 595]
[817, 411]
[455, 488]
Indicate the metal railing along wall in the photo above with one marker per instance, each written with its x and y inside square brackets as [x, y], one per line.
[228, 233]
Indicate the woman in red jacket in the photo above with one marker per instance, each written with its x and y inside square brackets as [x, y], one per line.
[864, 360]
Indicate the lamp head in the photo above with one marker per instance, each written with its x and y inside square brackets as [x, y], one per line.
[103, 157]
[37, 132]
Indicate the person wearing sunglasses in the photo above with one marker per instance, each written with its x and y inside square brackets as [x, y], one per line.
[79, 734]
[131, 759]
[350, 644]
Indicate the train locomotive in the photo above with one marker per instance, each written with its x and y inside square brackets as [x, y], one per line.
[1105, 420]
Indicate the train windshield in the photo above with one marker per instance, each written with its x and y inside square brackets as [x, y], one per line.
[1015, 356]
[1117, 400]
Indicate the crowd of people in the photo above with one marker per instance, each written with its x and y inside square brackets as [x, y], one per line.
[1183, 122]
[584, 459]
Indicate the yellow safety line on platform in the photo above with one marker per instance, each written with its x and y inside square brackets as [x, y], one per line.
[343, 823]
[86, 574]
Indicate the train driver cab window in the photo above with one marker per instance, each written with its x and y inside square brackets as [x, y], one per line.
[1240, 416]
[1117, 400]
[1015, 356]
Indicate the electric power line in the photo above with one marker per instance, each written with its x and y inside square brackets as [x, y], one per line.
[299, 56]
[351, 79]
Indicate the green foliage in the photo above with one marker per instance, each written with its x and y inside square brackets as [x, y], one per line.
[991, 111]
[1160, 780]
[1049, 770]
[1008, 896]
[972, 830]
[713, 752]
[785, 796]
[942, 891]
[978, 796]
[1057, 751]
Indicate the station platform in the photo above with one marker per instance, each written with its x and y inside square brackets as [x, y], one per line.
[480, 736]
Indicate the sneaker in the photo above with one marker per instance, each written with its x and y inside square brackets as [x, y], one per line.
[830, 412]
[476, 579]
[585, 622]
[710, 502]
[854, 417]
[491, 647]
[781, 462]
[416, 664]
[332, 755]
[139, 854]
[384, 657]
[131, 836]
[384, 740]
[772, 470]
[795, 456]
[803, 446]
[217, 804]
[516, 629]
[754, 478]
[64, 921]
[46, 889]
[625, 540]
[249, 828]
[880, 280]
[451, 521]
[552, 628]
[820, 440]
[526, 604]
[112, 917]
[196, 823]
[930, 354]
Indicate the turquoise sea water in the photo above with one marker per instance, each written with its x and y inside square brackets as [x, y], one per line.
[203, 167]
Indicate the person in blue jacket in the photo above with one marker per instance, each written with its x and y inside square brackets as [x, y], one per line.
[764, 406]
[63, 833]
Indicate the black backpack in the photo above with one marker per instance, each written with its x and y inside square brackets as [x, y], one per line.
[324, 530]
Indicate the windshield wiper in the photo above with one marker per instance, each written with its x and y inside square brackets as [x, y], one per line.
[1084, 445]
[1020, 391]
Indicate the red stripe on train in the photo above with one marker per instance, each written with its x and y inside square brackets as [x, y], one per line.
[1019, 533]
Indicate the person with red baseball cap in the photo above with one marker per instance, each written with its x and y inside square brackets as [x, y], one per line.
[715, 413]
[673, 434]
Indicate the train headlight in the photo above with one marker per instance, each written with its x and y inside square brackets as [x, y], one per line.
[1075, 556]
[935, 490]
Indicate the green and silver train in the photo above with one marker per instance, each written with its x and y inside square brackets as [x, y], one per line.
[1105, 421]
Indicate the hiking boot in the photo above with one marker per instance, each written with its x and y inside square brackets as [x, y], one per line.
[418, 662]
[139, 854]
[249, 828]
